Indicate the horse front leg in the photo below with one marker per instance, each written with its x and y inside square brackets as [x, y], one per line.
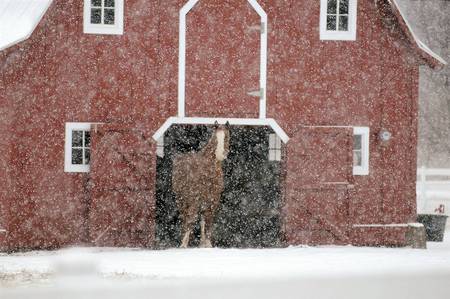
[188, 225]
[185, 240]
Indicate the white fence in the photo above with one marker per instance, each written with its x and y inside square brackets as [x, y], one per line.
[433, 190]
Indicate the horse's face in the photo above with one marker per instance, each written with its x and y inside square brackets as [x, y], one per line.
[222, 135]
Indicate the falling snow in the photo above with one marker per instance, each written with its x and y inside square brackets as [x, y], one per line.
[109, 137]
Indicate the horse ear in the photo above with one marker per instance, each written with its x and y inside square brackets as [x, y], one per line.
[227, 125]
[216, 124]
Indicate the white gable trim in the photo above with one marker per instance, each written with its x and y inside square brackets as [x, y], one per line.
[182, 119]
[232, 121]
[182, 57]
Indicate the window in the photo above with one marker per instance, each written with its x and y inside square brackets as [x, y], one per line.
[103, 16]
[78, 147]
[274, 148]
[360, 150]
[338, 19]
[160, 147]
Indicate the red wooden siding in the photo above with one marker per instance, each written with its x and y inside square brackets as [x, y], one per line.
[130, 83]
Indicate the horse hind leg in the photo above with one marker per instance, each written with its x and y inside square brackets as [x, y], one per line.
[207, 223]
[204, 241]
[188, 225]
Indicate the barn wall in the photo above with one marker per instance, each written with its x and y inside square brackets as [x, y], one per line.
[62, 75]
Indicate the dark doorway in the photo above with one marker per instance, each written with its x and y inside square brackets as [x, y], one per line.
[249, 212]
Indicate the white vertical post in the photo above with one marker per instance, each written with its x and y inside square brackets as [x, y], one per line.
[182, 56]
[181, 64]
[263, 58]
[423, 191]
[263, 67]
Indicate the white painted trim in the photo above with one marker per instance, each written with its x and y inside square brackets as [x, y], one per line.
[68, 166]
[384, 225]
[325, 127]
[349, 35]
[2, 230]
[233, 121]
[365, 147]
[182, 57]
[117, 28]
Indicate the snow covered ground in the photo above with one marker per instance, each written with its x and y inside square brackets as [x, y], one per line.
[295, 272]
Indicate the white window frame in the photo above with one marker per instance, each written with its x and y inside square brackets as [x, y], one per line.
[68, 166]
[160, 147]
[117, 28]
[364, 132]
[335, 34]
[274, 147]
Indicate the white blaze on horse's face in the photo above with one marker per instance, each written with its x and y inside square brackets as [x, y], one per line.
[220, 149]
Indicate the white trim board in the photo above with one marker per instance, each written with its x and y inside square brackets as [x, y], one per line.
[232, 121]
[182, 57]
[388, 225]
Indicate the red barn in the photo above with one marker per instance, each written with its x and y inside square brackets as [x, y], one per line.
[97, 95]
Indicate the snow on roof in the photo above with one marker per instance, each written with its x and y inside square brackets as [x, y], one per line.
[19, 18]
[426, 53]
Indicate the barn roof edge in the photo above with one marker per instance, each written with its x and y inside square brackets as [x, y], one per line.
[422, 50]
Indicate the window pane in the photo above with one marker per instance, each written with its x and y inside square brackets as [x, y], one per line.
[272, 155]
[357, 142]
[109, 16]
[77, 138]
[96, 16]
[87, 139]
[160, 151]
[278, 142]
[278, 155]
[97, 3]
[77, 156]
[332, 5]
[357, 158]
[109, 3]
[343, 7]
[343, 23]
[271, 141]
[87, 156]
[331, 22]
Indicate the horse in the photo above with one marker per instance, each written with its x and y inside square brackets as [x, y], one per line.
[198, 183]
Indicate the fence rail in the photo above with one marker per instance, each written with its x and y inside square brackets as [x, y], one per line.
[433, 190]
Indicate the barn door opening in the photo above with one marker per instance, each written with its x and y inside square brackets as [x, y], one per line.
[223, 41]
[249, 211]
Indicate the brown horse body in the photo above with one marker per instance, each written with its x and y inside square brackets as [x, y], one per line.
[197, 181]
